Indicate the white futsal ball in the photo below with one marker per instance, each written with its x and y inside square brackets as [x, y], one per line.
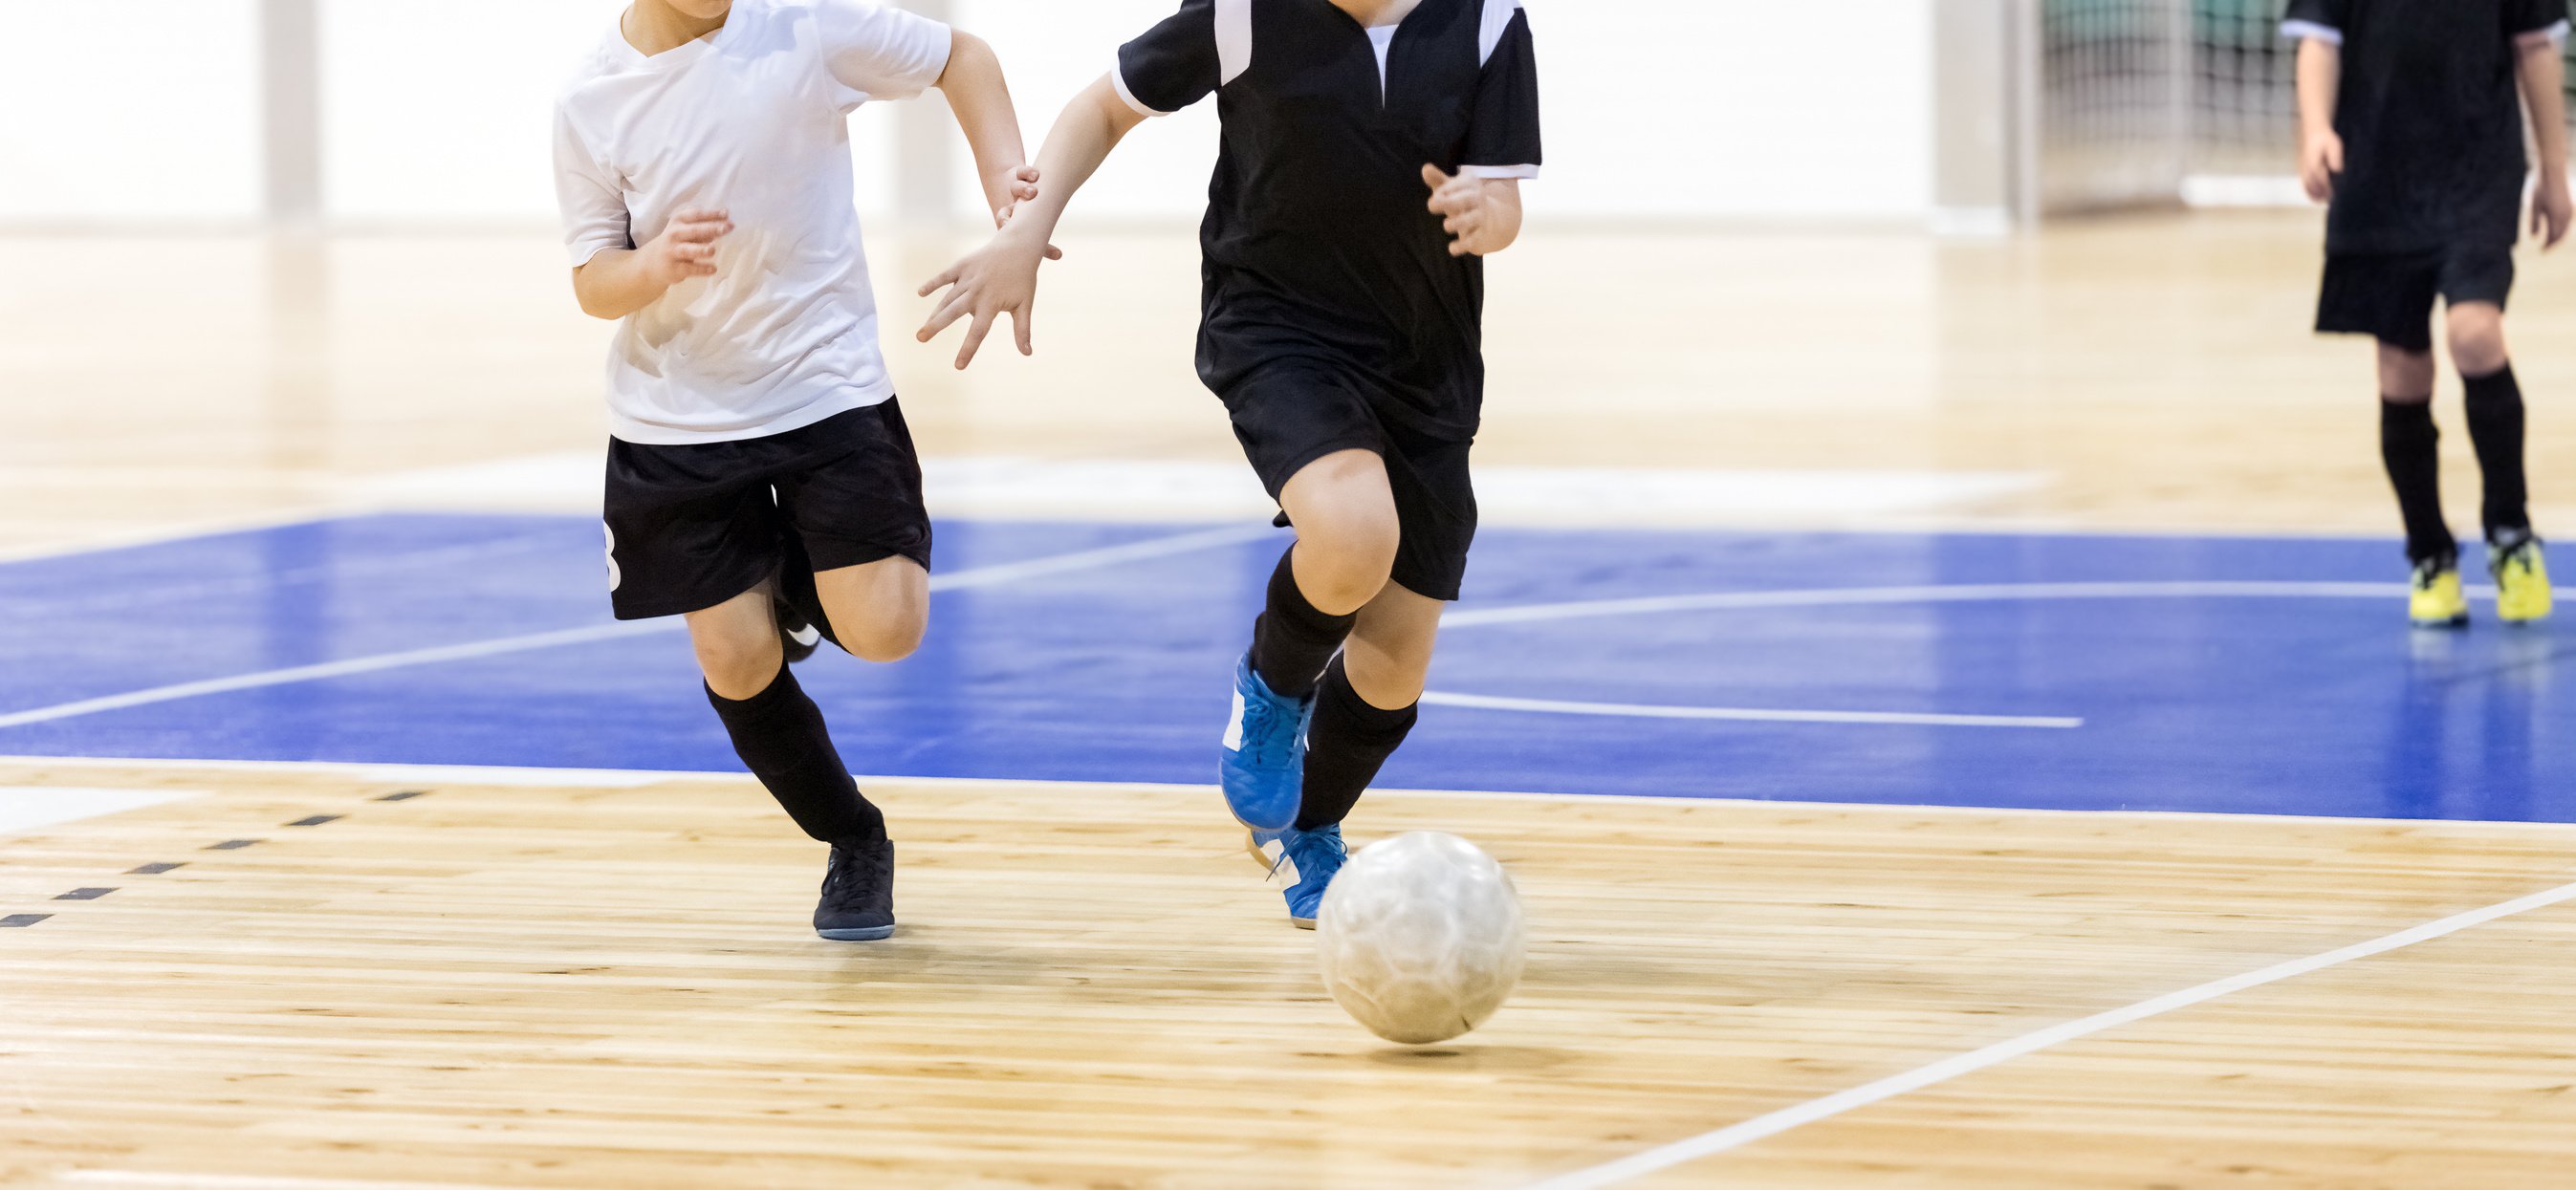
[1420, 937]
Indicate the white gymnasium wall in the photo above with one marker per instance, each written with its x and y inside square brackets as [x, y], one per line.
[139, 110]
[436, 109]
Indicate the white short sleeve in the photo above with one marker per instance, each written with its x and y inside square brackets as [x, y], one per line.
[879, 52]
[594, 208]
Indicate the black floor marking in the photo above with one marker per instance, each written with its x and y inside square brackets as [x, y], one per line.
[84, 894]
[21, 920]
[152, 869]
[230, 845]
[404, 796]
[315, 820]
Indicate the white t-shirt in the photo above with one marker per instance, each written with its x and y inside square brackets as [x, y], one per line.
[752, 119]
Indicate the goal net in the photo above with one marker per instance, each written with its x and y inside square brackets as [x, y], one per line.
[2147, 101]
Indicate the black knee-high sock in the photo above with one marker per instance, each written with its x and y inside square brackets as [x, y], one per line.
[2411, 446]
[1345, 746]
[779, 734]
[1292, 640]
[2495, 428]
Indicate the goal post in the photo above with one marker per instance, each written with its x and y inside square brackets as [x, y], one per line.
[2057, 107]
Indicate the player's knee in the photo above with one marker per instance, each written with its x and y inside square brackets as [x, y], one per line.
[884, 639]
[2477, 341]
[884, 645]
[738, 666]
[1346, 563]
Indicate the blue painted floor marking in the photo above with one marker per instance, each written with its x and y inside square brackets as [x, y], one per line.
[2311, 699]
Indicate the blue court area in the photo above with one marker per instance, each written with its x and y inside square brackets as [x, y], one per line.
[2075, 672]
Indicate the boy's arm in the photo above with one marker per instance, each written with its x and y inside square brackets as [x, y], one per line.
[2320, 85]
[616, 282]
[2544, 89]
[981, 100]
[1483, 214]
[1002, 276]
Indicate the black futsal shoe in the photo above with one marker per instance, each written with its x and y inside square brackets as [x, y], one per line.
[796, 635]
[858, 892]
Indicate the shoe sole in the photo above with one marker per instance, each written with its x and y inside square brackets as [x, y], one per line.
[1303, 923]
[869, 934]
[2451, 625]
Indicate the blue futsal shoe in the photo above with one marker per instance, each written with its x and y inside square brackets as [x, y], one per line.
[1314, 856]
[1263, 764]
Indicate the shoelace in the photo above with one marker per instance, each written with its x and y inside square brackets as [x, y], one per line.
[1260, 740]
[851, 880]
[1329, 842]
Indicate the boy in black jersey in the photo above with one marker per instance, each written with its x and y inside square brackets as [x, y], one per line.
[2411, 126]
[1372, 156]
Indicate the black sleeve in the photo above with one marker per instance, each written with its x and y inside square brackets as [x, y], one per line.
[1503, 131]
[2532, 16]
[1174, 64]
[2323, 14]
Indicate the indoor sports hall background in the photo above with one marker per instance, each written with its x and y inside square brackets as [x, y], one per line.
[1934, 658]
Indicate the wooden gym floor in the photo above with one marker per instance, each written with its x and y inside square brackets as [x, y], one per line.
[534, 978]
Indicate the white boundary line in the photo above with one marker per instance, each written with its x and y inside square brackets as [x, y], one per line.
[1957, 1065]
[1634, 710]
[1960, 593]
[110, 543]
[984, 576]
[1206, 538]
[436, 774]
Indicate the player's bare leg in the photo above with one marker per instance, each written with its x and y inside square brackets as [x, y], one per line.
[2410, 445]
[878, 610]
[1345, 516]
[1364, 707]
[2495, 414]
[781, 737]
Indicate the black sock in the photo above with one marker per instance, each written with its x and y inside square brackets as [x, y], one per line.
[779, 733]
[1292, 640]
[2495, 428]
[2411, 446]
[1345, 746]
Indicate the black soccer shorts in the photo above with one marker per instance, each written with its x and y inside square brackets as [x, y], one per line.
[1288, 415]
[692, 526]
[2392, 297]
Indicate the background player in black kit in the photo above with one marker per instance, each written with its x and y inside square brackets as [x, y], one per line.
[2411, 125]
[1372, 154]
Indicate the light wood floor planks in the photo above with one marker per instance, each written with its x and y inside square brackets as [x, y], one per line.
[521, 985]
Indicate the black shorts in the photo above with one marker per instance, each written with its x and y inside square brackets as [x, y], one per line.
[692, 526]
[1288, 415]
[2391, 297]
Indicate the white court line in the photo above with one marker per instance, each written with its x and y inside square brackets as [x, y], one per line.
[109, 543]
[1760, 1127]
[1961, 593]
[1633, 710]
[982, 576]
[25, 808]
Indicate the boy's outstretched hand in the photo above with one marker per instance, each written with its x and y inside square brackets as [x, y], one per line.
[999, 278]
[2552, 210]
[1469, 213]
[687, 246]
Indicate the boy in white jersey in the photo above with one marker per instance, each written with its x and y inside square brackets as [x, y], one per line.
[760, 478]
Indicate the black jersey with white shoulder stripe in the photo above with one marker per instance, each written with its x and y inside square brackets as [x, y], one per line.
[2431, 115]
[1320, 248]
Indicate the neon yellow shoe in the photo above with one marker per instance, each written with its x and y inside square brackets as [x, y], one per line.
[2436, 600]
[2522, 582]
